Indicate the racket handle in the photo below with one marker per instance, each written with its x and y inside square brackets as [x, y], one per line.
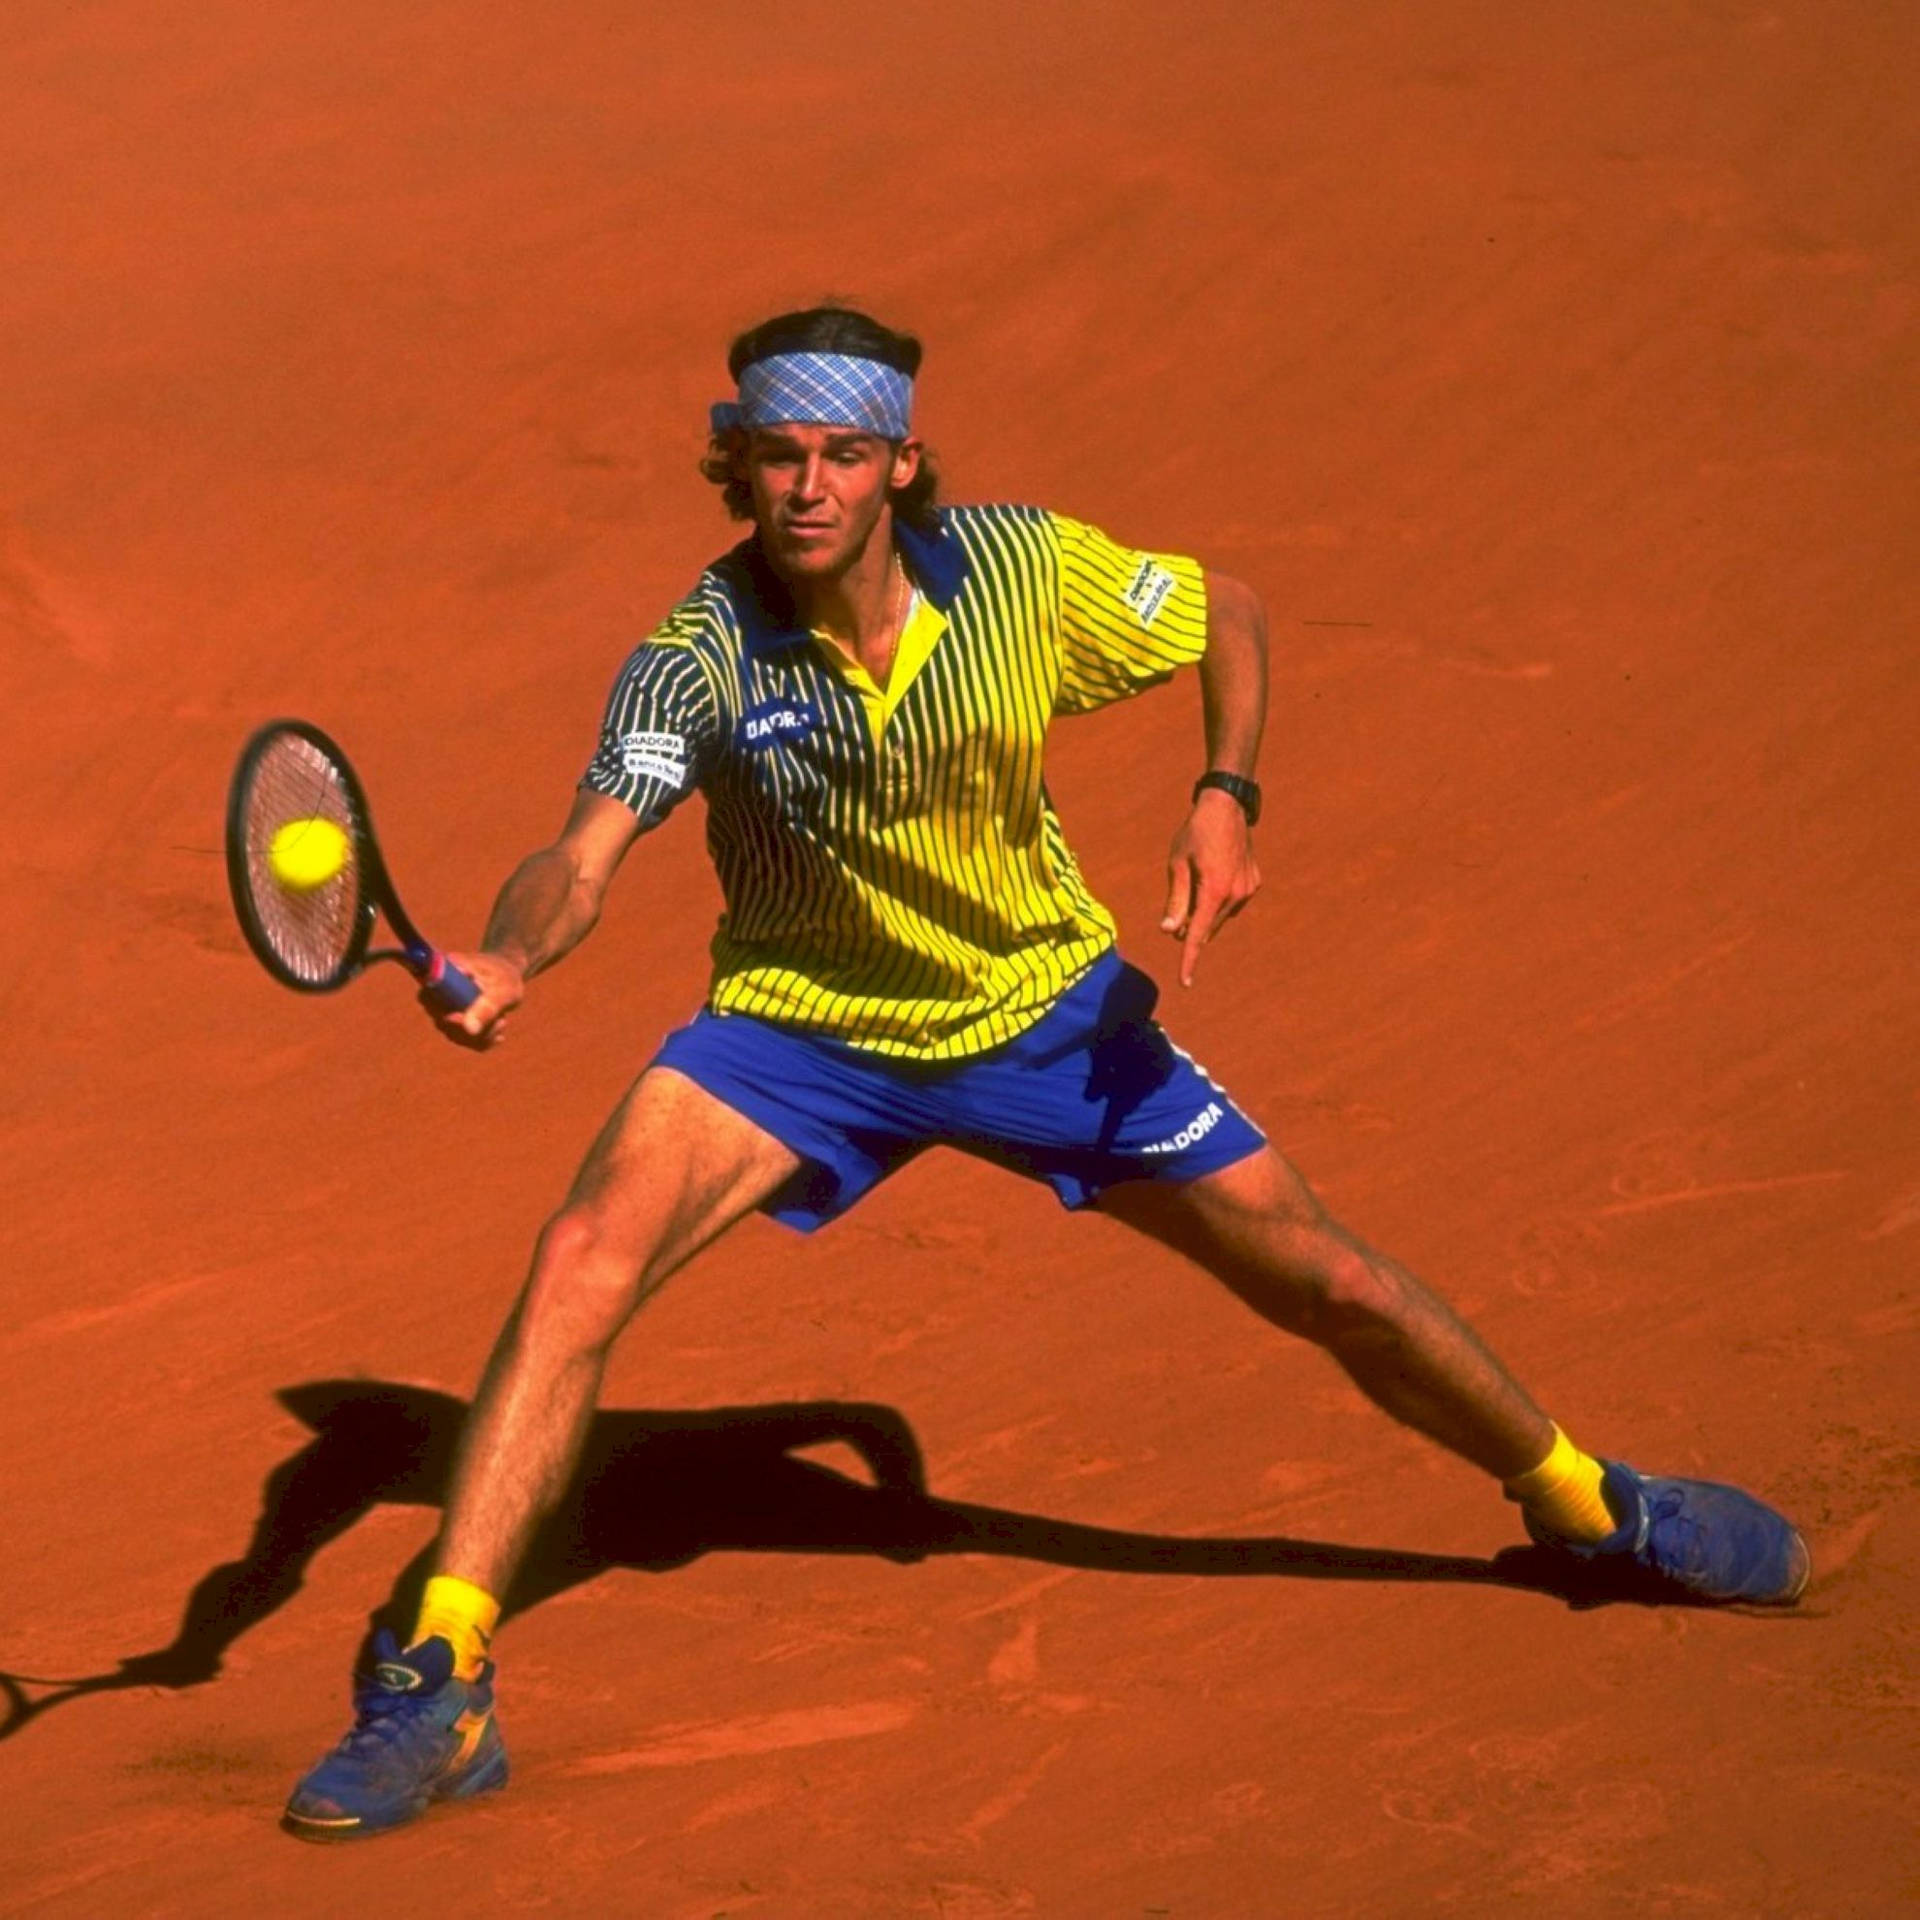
[444, 984]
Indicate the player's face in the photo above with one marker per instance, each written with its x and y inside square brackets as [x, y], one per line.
[819, 493]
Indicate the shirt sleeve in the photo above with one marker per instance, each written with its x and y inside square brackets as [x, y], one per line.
[1128, 619]
[661, 730]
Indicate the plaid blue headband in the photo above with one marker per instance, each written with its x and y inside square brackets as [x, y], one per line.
[819, 389]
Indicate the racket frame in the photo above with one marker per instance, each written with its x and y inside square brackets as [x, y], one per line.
[445, 983]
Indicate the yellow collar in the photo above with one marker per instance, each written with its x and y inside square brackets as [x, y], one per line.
[924, 625]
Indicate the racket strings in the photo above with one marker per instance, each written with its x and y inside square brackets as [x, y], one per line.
[310, 928]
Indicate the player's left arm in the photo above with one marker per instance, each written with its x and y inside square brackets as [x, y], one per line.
[1211, 872]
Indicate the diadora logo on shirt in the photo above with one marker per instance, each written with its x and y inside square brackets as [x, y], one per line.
[775, 723]
[1147, 592]
[660, 756]
[1196, 1129]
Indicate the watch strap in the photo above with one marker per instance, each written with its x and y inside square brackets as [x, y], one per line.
[1236, 785]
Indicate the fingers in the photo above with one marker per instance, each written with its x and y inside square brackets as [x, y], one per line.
[482, 1023]
[1211, 913]
[476, 1027]
[1179, 894]
[1210, 876]
[1216, 903]
[479, 1019]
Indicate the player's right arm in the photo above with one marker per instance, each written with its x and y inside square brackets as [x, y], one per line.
[657, 737]
[548, 906]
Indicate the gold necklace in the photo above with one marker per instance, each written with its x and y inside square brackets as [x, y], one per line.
[897, 617]
[897, 604]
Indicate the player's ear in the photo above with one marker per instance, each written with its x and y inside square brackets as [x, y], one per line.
[725, 457]
[906, 463]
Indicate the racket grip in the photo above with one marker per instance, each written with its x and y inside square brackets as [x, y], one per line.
[443, 983]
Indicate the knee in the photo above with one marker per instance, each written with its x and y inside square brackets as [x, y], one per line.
[1341, 1295]
[585, 1282]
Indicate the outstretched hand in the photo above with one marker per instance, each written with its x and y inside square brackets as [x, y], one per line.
[1211, 875]
[483, 1023]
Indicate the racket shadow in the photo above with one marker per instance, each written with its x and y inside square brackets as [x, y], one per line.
[658, 1490]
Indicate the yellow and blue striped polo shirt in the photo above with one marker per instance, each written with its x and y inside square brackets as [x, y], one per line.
[893, 871]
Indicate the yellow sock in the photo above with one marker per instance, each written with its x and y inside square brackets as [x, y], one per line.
[1563, 1493]
[461, 1614]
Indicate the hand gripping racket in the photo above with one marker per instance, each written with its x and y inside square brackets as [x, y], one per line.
[306, 872]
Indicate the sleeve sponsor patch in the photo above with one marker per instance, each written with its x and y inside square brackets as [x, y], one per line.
[1149, 590]
[659, 756]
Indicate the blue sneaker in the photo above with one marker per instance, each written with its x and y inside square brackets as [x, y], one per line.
[418, 1735]
[1693, 1539]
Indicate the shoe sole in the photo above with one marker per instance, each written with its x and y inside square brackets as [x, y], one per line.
[1803, 1565]
[327, 1833]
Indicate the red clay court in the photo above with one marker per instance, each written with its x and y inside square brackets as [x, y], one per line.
[1552, 376]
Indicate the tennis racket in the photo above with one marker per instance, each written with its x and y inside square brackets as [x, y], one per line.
[307, 874]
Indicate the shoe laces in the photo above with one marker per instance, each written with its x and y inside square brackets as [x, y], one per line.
[382, 1716]
[1668, 1516]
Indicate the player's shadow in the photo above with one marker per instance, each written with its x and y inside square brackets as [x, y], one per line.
[658, 1490]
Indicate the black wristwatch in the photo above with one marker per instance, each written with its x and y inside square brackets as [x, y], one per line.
[1246, 791]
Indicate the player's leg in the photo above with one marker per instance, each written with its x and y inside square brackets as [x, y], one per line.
[1257, 1226]
[1097, 1101]
[671, 1170]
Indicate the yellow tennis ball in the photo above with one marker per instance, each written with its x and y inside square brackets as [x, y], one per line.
[306, 854]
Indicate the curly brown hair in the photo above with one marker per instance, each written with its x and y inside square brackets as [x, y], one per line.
[830, 328]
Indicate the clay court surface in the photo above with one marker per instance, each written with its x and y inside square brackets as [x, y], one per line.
[1551, 373]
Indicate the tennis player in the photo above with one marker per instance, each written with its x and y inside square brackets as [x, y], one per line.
[909, 957]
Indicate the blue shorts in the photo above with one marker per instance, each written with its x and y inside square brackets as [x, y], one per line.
[1093, 1094]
